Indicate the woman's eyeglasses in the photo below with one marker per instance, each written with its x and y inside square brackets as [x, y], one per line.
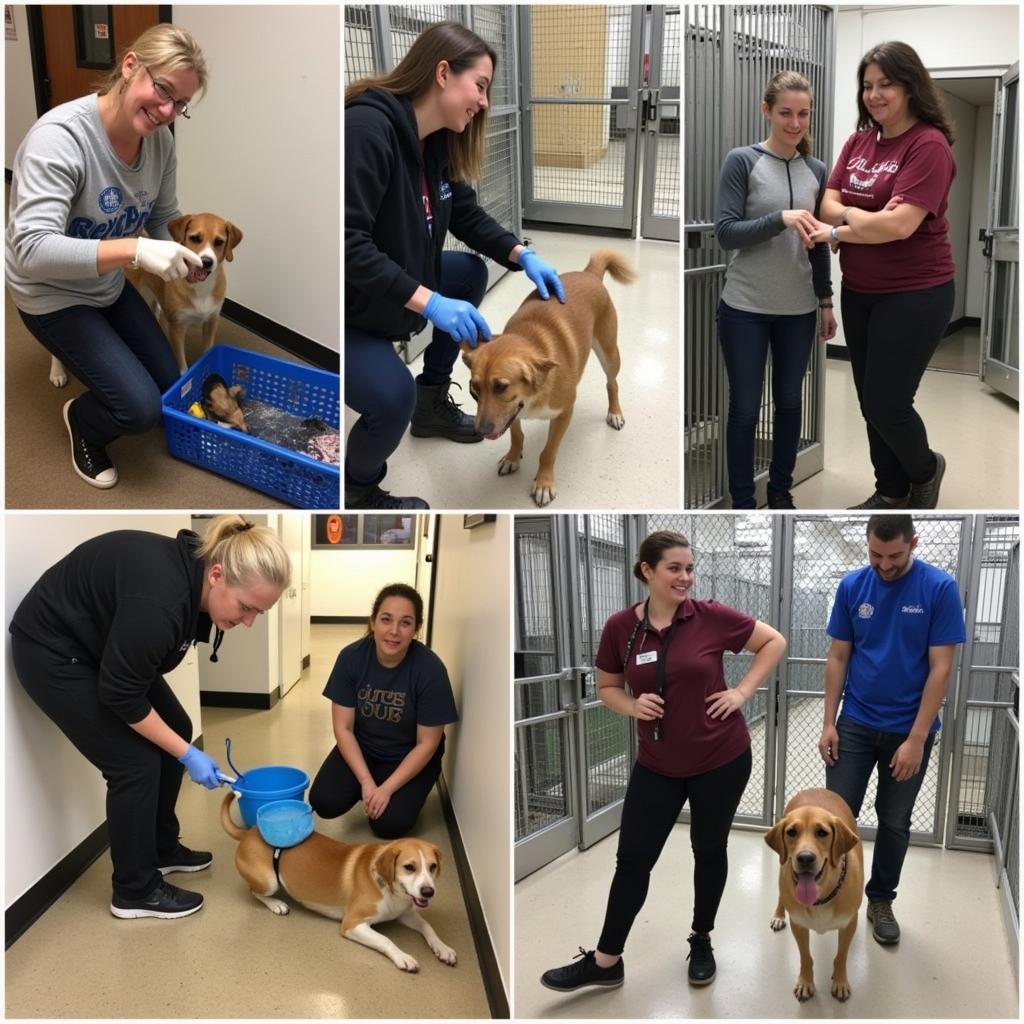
[180, 106]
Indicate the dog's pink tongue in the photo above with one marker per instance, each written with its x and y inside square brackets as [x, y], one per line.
[197, 274]
[806, 889]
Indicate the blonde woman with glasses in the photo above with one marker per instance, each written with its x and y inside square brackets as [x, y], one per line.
[88, 177]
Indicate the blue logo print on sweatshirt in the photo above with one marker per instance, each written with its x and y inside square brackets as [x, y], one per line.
[127, 222]
[111, 199]
[444, 191]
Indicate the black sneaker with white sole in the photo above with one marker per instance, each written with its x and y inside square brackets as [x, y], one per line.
[89, 460]
[184, 859]
[583, 972]
[165, 901]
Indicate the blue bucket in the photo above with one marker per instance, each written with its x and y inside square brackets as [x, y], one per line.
[285, 822]
[259, 786]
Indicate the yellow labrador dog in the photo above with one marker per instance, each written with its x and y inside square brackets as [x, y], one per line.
[358, 884]
[821, 880]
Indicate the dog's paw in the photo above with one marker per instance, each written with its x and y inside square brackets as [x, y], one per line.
[543, 494]
[777, 924]
[841, 989]
[58, 376]
[507, 466]
[803, 990]
[404, 962]
[444, 953]
[615, 420]
[277, 906]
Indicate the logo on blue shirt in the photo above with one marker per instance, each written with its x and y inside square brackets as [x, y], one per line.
[865, 611]
[111, 199]
[912, 609]
[444, 191]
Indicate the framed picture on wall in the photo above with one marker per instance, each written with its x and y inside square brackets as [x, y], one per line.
[343, 530]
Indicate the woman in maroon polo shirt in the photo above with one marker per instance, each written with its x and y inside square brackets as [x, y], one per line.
[886, 204]
[692, 746]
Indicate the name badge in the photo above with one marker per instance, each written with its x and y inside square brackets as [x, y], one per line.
[646, 659]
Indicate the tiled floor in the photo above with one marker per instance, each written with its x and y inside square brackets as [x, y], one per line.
[235, 959]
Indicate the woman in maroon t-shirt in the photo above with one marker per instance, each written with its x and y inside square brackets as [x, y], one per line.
[692, 746]
[886, 201]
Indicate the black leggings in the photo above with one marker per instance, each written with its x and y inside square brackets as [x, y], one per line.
[652, 804]
[891, 339]
[336, 790]
[143, 781]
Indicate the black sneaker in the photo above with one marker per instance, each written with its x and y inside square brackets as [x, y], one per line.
[702, 959]
[437, 415]
[165, 901]
[876, 501]
[780, 499]
[89, 460]
[373, 497]
[926, 495]
[184, 859]
[886, 929]
[582, 972]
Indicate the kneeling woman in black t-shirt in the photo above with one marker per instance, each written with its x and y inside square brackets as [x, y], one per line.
[391, 701]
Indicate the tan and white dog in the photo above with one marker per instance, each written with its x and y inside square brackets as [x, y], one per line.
[193, 301]
[358, 884]
[821, 880]
[531, 369]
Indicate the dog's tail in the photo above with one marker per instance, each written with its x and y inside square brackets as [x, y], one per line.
[230, 827]
[614, 263]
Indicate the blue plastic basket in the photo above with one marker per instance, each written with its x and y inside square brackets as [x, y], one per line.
[300, 390]
[260, 786]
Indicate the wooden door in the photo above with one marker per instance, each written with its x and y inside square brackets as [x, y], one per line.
[67, 76]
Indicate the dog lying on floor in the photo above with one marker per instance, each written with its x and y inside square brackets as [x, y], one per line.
[358, 884]
[821, 880]
[195, 300]
[531, 370]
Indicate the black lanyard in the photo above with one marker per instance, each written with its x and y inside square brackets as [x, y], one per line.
[659, 672]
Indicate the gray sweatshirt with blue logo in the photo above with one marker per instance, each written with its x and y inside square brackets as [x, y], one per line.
[770, 271]
[69, 191]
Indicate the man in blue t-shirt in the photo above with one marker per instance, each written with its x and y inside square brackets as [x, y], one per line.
[894, 626]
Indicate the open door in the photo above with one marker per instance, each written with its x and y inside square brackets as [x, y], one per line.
[1000, 351]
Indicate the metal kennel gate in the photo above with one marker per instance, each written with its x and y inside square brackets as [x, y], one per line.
[377, 37]
[573, 571]
[729, 53]
[600, 98]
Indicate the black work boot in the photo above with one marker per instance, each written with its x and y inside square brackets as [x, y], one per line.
[372, 497]
[437, 415]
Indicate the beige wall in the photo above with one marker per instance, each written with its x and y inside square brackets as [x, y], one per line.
[19, 95]
[472, 636]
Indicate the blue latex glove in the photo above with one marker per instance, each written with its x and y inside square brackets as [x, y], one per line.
[201, 767]
[462, 320]
[542, 274]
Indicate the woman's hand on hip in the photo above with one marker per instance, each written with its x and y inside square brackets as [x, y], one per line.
[724, 703]
[648, 706]
[462, 320]
[828, 325]
[167, 260]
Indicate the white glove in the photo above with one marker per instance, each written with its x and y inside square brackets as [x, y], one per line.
[167, 260]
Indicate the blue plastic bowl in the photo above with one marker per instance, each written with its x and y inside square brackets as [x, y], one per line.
[260, 786]
[285, 822]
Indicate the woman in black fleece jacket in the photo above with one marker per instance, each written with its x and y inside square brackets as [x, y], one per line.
[90, 643]
[414, 138]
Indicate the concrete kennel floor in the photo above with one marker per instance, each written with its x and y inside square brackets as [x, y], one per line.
[597, 467]
[954, 959]
[236, 959]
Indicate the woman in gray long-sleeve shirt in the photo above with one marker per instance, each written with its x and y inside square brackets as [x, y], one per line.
[776, 283]
[87, 178]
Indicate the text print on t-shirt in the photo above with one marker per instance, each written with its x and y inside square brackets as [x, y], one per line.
[385, 705]
[863, 178]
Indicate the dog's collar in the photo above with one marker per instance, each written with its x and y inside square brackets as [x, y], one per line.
[839, 885]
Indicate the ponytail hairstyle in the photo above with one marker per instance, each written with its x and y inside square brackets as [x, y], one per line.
[653, 548]
[247, 553]
[790, 81]
[461, 48]
[162, 47]
[900, 63]
[411, 594]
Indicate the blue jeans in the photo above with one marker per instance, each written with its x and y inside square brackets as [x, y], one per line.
[378, 384]
[122, 357]
[860, 749]
[745, 339]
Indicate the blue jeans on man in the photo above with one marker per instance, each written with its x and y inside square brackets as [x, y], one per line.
[860, 750]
